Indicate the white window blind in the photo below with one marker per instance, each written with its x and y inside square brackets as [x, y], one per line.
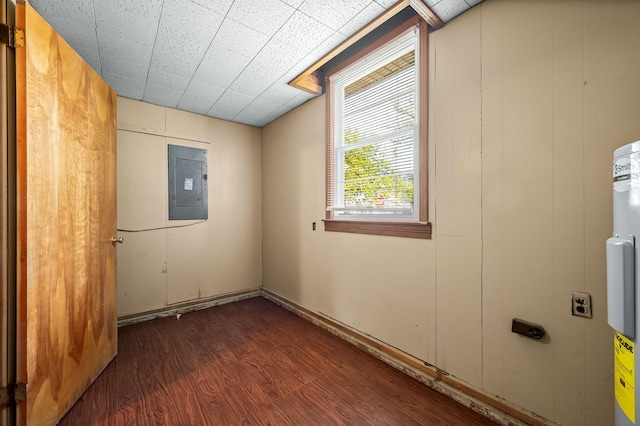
[376, 134]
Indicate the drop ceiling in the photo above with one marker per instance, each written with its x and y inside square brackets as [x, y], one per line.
[229, 59]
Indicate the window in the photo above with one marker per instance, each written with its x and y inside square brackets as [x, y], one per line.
[376, 139]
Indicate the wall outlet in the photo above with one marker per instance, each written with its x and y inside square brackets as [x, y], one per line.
[581, 304]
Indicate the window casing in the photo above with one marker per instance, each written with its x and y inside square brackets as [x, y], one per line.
[376, 138]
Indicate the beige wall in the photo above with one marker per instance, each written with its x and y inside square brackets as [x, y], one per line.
[528, 100]
[222, 255]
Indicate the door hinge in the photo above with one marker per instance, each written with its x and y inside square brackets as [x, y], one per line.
[11, 36]
[13, 394]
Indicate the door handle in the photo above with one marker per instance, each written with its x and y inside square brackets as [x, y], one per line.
[115, 240]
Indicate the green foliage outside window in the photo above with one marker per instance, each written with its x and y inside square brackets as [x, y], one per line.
[370, 180]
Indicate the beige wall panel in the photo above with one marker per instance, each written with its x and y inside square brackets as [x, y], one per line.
[557, 95]
[527, 203]
[554, 148]
[459, 318]
[611, 111]
[383, 286]
[224, 253]
[568, 201]
[188, 274]
[140, 114]
[142, 277]
[221, 255]
[495, 322]
[142, 194]
[186, 123]
[456, 107]
[142, 181]
[293, 198]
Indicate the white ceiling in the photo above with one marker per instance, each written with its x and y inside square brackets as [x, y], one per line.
[229, 59]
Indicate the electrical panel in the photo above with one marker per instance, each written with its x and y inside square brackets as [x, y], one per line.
[188, 189]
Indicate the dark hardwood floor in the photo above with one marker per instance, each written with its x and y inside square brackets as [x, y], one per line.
[252, 362]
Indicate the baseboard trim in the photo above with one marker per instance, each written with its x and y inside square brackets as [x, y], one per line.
[491, 406]
[192, 305]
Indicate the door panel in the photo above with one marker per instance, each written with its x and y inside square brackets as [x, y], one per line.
[70, 218]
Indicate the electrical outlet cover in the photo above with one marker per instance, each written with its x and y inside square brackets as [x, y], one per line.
[581, 304]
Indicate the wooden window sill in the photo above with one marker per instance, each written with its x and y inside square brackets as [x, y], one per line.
[392, 229]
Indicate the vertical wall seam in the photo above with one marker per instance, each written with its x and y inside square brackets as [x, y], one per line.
[481, 216]
[554, 270]
[435, 195]
[584, 219]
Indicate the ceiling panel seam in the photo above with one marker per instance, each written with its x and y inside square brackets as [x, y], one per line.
[205, 52]
[279, 77]
[153, 49]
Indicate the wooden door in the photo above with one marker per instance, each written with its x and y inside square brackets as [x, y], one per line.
[67, 216]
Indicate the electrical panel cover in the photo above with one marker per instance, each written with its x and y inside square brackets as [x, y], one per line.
[188, 189]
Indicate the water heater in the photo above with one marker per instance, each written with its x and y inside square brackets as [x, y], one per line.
[622, 274]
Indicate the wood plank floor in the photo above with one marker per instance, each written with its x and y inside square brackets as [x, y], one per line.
[254, 363]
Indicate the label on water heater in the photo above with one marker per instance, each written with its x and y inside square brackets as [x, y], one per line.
[624, 375]
[622, 174]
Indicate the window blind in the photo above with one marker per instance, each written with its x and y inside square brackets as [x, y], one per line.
[376, 133]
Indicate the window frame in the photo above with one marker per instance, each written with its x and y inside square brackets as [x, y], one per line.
[390, 227]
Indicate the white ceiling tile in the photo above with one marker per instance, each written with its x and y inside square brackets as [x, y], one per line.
[302, 34]
[386, 3]
[261, 105]
[168, 80]
[185, 32]
[220, 6]
[472, 3]
[78, 11]
[449, 9]
[257, 121]
[237, 39]
[117, 46]
[329, 44]
[71, 30]
[185, 53]
[365, 16]
[267, 67]
[128, 28]
[124, 67]
[192, 14]
[222, 115]
[229, 54]
[221, 70]
[251, 82]
[123, 86]
[161, 96]
[279, 93]
[293, 3]
[199, 97]
[255, 112]
[301, 98]
[333, 14]
[133, 19]
[229, 105]
[265, 16]
[299, 68]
